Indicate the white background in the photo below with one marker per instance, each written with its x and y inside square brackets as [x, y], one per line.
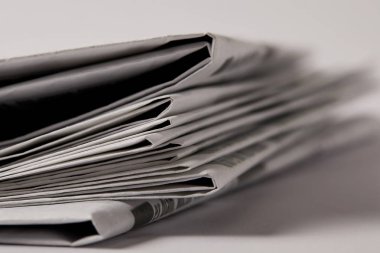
[330, 204]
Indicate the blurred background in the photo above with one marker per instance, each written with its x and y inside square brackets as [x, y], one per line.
[330, 203]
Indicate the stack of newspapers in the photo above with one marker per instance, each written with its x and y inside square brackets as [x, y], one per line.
[97, 141]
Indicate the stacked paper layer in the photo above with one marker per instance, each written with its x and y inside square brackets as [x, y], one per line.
[99, 140]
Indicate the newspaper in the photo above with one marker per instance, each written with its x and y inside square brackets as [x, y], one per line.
[97, 141]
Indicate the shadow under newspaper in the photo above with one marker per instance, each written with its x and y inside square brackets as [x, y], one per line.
[335, 186]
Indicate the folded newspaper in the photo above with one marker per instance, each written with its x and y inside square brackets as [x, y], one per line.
[97, 141]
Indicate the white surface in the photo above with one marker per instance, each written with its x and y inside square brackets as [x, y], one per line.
[324, 206]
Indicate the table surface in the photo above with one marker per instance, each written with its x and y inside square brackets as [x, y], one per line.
[329, 204]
